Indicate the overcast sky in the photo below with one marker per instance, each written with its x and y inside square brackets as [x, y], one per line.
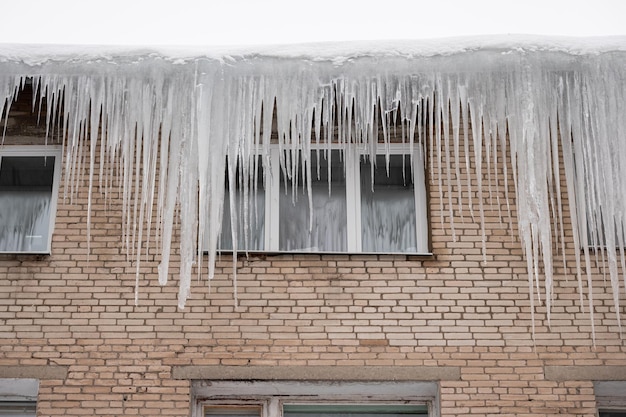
[253, 22]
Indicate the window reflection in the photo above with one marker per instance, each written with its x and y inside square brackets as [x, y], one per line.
[320, 226]
[25, 197]
[388, 205]
[249, 215]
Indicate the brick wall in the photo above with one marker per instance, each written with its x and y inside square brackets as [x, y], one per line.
[70, 319]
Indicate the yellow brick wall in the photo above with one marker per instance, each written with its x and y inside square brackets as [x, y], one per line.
[75, 311]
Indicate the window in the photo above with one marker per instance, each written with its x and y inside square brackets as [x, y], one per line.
[313, 399]
[18, 409]
[610, 398]
[319, 410]
[354, 410]
[249, 215]
[358, 203]
[18, 397]
[29, 181]
[600, 223]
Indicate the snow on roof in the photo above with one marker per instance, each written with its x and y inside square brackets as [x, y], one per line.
[338, 52]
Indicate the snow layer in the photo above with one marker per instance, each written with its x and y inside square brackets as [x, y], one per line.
[33, 54]
[179, 112]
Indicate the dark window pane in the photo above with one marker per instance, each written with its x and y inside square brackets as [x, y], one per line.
[26, 172]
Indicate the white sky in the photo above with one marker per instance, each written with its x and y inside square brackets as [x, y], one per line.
[253, 22]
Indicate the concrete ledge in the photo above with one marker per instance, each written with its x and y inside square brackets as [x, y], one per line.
[34, 372]
[19, 389]
[319, 373]
[585, 373]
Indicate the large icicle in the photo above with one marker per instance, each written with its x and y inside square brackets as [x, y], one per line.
[172, 127]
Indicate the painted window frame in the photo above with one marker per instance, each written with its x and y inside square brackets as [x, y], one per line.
[270, 397]
[352, 156]
[36, 151]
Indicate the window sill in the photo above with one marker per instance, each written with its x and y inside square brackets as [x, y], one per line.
[24, 256]
[270, 254]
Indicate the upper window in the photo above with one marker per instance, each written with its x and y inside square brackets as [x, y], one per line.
[600, 225]
[29, 181]
[357, 203]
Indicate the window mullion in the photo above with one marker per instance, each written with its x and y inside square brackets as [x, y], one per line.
[273, 408]
[419, 188]
[272, 205]
[55, 196]
[353, 199]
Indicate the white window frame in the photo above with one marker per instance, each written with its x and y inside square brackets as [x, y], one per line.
[352, 157]
[271, 396]
[35, 150]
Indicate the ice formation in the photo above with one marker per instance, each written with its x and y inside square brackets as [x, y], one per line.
[182, 114]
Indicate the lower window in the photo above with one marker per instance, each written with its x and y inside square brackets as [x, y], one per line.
[18, 397]
[18, 409]
[314, 399]
[321, 410]
[610, 398]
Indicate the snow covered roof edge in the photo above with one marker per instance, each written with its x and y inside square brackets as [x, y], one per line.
[337, 52]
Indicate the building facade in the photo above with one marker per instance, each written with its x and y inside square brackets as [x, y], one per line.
[456, 329]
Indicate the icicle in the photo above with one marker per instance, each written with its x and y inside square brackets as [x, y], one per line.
[177, 123]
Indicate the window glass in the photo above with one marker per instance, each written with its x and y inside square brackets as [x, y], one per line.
[18, 409]
[249, 213]
[613, 413]
[321, 225]
[596, 231]
[234, 411]
[388, 205]
[353, 410]
[26, 184]
[356, 204]
[288, 398]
